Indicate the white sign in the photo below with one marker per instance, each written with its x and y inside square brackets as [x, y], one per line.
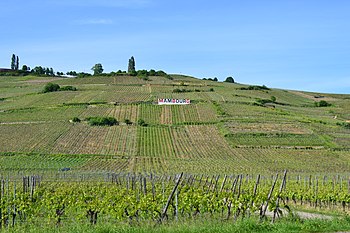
[173, 101]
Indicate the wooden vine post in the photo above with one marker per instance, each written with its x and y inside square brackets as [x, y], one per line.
[275, 212]
[264, 207]
[171, 196]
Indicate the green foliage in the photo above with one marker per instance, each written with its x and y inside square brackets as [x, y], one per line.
[42, 71]
[266, 101]
[127, 121]
[211, 79]
[131, 66]
[344, 124]
[76, 120]
[144, 74]
[83, 75]
[177, 90]
[229, 80]
[73, 73]
[254, 87]
[141, 122]
[51, 87]
[97, 69]
[25, 68]
[13, 62]
[68, 88]
[219, 110]
[322, 103]
[102, 121]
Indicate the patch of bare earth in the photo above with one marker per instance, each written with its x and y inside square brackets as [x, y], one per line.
[38, 81]
[312, 97]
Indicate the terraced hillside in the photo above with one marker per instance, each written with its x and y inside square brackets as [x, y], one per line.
[228, 128]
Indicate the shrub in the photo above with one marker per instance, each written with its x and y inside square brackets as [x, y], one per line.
[68, 88]
[76, 119]
[51, 87]
[322, 103]
[344, 124]
[127, 121]
[101, 121]
[263, 87]
[263, 101]
[141, 122]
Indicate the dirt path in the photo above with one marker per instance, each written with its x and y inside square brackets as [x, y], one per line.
[304, 215]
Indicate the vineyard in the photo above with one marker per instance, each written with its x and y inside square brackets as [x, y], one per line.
[117, 198]
[126, 172]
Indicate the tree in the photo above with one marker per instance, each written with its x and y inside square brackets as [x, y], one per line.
[13, 62]
[229, 80]
[97, 69]
[215, 79]
[38, 70]
[131, 65]
[17, 63]
[25, 68]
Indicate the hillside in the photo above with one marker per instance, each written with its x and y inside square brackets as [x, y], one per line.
[228, 128]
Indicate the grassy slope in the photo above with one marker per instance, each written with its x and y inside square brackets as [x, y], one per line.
[222, 131]
[202, 225]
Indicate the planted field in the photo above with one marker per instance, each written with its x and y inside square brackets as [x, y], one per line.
[84, 139]
[172, 114]
[25, 137]
[155, 142]
[37, 163]
[52, 114]
[276, 140]
[142, 164]
[104, 164]
[127, 111]
[222, 131]
[267, 127]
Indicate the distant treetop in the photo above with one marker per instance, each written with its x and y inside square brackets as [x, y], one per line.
[229, 80]
[131, 65]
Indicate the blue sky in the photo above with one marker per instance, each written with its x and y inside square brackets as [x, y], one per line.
[291, 44]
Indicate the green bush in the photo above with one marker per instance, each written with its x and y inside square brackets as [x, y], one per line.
[128, 122]
[258, 88]
[101, 121]
[68, 88]
[76, 119]
[322, 103]
[344, 124]
[51, 87]
[141, 122]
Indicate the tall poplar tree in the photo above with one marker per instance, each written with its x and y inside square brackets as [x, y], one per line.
[13, 62]
[17, 63]
[131, 66]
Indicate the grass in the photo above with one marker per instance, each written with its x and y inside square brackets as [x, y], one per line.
[251, 225]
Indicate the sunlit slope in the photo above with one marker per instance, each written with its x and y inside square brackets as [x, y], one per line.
[227, 128]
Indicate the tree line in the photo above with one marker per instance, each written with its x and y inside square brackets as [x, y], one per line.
[97, 70]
